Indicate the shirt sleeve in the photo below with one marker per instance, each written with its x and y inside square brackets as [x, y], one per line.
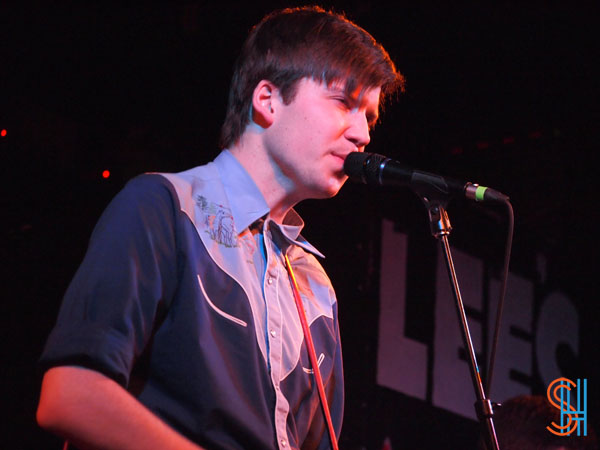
[127, 277]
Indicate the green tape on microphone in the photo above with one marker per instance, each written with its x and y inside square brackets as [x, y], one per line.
[479, 193]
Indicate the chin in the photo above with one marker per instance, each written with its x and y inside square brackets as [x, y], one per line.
[328, 190]
[331, 194]
[323, 192]
[333, 188]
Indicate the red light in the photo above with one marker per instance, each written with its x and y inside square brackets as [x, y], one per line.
[105, 174]
[508, 140]
[482, 145]
[456, 150]
[535, 134]
[3, 133]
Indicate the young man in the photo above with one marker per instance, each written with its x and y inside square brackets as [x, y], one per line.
[180, 329]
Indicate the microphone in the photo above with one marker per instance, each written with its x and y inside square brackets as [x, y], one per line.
[374, 169]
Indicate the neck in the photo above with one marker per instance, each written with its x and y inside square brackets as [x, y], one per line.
[277, 190]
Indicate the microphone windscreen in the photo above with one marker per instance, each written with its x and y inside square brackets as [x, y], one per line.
[364, 167]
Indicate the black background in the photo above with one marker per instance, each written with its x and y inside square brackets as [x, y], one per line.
[503, 94]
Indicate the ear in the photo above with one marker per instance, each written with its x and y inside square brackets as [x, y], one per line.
[263, 100]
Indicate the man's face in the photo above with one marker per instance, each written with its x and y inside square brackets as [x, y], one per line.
[310, 138]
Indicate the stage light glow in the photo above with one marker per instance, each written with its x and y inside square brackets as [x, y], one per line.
[3, 133]
[535, 135]
[105, 174]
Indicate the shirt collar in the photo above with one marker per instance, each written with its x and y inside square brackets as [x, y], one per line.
[291, 228]
[248, 204]
[245, 199]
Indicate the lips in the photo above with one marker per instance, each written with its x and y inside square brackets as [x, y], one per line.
[338, 161]
[343, 155]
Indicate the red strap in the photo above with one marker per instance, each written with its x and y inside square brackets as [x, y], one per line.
[311, 354]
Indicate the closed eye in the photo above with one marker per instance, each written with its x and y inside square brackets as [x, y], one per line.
[343, 101]
[350, 103]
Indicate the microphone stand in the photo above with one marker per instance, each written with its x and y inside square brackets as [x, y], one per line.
[440, 229]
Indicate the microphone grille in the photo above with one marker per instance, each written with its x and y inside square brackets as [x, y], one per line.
[364, 167]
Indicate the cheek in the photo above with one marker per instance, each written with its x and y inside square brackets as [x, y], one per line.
[323, 120]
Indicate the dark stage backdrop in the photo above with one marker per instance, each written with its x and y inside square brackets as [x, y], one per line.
[504, 95]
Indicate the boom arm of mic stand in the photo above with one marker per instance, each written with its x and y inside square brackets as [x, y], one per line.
[440, 229]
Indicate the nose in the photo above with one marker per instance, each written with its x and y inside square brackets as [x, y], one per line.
[358, 129]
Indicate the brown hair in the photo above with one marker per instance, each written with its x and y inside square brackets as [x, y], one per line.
[295, 43]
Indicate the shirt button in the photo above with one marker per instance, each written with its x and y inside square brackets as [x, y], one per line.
[283, 442]
[273, 333]
[270, 280]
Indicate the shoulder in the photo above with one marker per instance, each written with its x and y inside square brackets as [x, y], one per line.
[146, 187]
[145, 194]
[156, 189]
